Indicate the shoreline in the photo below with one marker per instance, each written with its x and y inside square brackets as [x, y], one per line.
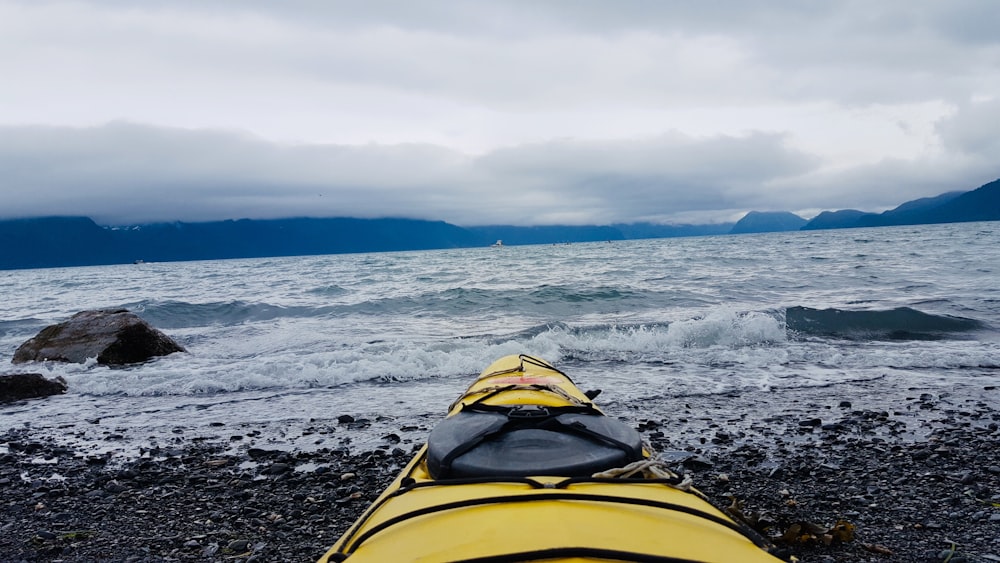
[915, 471]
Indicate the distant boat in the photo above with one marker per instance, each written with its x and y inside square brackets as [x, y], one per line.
[140, 261]
[498, 243]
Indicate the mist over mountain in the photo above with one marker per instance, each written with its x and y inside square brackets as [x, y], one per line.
[78, 241]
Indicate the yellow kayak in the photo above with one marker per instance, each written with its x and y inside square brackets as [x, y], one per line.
[526, 468]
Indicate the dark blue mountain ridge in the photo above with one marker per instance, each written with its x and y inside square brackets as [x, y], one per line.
[78, 241]
[546, 234]
[835, 219]
[909, 211]
[768, 222]
[654, 230]
[981, 204]
[55, 241]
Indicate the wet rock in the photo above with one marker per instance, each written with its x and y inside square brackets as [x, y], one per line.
[18, 386]
[115, 488]
[698, 462]
[114, 337]
[277, 469]
[675, 456]
[260, 453]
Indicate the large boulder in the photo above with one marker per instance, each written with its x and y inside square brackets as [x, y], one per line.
[17, 386]
[114, 337]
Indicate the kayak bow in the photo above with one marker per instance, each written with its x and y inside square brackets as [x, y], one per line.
[526, 468]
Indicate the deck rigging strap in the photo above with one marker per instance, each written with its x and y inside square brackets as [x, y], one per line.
[492, 391]
[576, 552]
[526, 359]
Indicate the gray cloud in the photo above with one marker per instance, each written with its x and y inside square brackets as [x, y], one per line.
[508, 111]
[127, 173]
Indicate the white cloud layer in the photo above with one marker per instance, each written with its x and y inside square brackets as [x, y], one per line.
[502, 112]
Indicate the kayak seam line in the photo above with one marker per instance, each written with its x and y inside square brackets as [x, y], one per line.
[409, 484]
[565, 552]
[542, 497]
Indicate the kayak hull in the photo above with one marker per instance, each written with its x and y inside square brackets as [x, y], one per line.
[538, 517]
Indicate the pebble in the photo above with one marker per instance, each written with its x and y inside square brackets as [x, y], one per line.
[277, 468]
[698, 462]
[115, 488]
[909, 483]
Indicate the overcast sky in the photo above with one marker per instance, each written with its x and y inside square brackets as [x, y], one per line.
[512, 112]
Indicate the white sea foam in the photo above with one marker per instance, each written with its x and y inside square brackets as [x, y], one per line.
[289, 337]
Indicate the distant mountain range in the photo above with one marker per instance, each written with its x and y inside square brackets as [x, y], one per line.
[79, 241]
[768, 222]
[981, 204]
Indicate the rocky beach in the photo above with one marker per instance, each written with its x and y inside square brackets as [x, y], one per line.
[873, 471]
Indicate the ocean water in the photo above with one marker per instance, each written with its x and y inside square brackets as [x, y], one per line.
[295, 342]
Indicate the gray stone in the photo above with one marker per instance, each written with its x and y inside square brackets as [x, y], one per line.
[277, 469]
[238, 545]
[18, 386]
[113, 337]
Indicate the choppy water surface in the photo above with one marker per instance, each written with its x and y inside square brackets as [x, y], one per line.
[304, 339]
